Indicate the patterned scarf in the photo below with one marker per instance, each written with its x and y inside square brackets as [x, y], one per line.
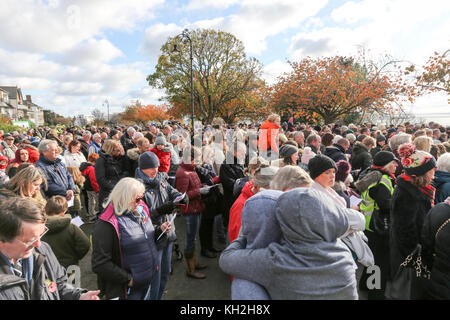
[429, 191]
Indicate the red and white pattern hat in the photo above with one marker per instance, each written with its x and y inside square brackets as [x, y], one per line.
[415, 162]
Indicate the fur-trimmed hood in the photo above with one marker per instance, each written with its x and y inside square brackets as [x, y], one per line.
[133, 154]
[370, 178]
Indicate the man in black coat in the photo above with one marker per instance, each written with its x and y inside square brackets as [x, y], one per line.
[127, 139]
[337, 150]
[231, 170]
[29, 270]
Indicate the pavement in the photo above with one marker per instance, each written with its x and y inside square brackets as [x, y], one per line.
[216, 286]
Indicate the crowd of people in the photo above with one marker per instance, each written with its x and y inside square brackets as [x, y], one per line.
[298, 209]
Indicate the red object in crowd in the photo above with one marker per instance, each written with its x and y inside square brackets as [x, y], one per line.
[234, 225]
[164, 159]
[90, 172]
[267, 137]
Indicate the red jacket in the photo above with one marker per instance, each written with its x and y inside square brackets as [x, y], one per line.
[267, 137]
[234, 225]
[90, 172]
[188, 181]
[164, 159]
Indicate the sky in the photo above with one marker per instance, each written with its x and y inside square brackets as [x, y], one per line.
[71, 56]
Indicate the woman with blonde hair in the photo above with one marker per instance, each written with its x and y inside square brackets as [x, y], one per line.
[78, 179]
[26, 184]
[123, 242]
[109, 168]
[423, 143]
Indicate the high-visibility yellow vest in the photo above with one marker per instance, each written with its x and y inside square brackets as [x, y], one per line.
[368, 205]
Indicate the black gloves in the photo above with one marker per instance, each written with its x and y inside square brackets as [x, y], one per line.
[166, 208]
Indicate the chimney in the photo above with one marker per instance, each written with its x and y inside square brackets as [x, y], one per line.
[29, 98]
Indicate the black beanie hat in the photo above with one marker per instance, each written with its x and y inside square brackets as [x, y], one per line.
[382, 158]
[319, 164]
[148, 160]
[287, 150]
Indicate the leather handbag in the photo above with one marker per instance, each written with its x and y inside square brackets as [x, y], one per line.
[411, 267]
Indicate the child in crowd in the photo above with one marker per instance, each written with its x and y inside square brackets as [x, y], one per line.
[69, 243]
[79, 179]
[3, 164]
[91, 186]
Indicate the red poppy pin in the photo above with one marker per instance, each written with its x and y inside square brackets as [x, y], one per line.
[51, 286]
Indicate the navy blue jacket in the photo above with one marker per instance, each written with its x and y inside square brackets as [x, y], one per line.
[58, 177]
[442, 184]
[335, 152]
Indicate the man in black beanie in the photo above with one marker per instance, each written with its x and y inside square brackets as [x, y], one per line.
[159, 196]
[381, 141]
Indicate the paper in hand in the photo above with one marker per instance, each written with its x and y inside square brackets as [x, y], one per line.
[170, 223]
[179, 198]
[77, 221]
[354, 201]
[70, 202]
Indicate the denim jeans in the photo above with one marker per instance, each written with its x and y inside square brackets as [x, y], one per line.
[161, 277]
[192, 226]
[139, 294]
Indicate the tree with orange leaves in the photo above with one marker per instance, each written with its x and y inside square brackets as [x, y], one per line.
[143, 114]
[329, 88]
[435, 76]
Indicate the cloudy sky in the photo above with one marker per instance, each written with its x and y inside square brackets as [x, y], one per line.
[73, 55]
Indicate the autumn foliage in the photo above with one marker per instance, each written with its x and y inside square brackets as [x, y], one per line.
[327, 89]
[143, 114]
[435, 74]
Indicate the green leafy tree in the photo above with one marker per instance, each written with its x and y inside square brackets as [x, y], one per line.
[221, 73]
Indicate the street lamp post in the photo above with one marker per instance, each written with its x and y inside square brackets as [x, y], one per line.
[107, 104]
[184, 36]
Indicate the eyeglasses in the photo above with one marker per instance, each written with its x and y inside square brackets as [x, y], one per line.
[139, 199]
[32, 242]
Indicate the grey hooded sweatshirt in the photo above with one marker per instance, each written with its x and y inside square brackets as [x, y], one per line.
[260, 228]
[310, 262]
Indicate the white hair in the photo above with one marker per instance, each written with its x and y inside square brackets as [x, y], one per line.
[337, 138]
[443, 162]
[137, 135]
[399, 139]
[351, 137]
[290, 177]
[124, 193]
[131, 129]
[44, 145]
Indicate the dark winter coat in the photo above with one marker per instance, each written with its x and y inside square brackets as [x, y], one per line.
[436, 250]
[214, 199]
[361, 158]
[442, 184]
[132, 161]
[58, 177]
[409, 207]
[108, 171]
[127, 142]
[188, 181]
[157, 192]
[68, 242]
[46, 270]
[84, 148]
[335, 152]
[229, 173]
[107, 256]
